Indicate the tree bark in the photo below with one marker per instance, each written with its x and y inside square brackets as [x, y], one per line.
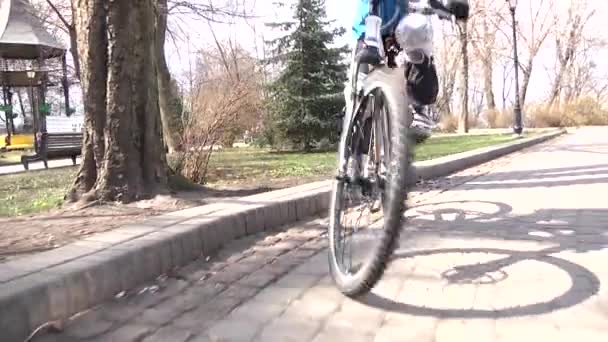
[21, 106]
[564, 58]
[123, 156]
[74, 49]
[91, 40]
[463, 122]
[447, 83]
[447, 61]
[488, 85]
[170, 109]
[488, 62]
[527, 74]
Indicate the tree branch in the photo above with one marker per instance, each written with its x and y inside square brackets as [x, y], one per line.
[61, 17]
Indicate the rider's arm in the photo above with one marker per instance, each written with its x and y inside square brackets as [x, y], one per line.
[386, 11]
[362, 10]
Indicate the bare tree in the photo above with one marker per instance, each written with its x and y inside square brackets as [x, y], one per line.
[463, 122]
[447, 61]
[58, 15]
[484, 28]
[533, 32]
[566, 51]
[507, 82]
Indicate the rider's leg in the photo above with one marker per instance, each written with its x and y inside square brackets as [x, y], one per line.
[359, 70]
[422, 87]
[367, 28]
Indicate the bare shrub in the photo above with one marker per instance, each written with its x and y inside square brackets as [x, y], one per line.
[448, 123]
[585, 111]
[226, 103]
[499, 118]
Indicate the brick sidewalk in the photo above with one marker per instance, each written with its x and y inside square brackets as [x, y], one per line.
[517, 254]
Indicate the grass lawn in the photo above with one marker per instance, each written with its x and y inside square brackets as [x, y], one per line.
[443, 146]
[235, 165]
[38, 191]
[35, 191]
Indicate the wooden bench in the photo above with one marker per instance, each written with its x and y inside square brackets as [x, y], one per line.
[54, 146]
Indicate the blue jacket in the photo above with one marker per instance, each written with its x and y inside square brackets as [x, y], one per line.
[387, 10]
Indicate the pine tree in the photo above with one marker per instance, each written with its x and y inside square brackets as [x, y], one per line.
[307, 94]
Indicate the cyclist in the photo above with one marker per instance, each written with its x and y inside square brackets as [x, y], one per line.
[420, 73]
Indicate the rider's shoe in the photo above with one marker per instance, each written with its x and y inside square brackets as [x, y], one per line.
[422, 125]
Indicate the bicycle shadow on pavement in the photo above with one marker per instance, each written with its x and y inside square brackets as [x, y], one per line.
[551, 231]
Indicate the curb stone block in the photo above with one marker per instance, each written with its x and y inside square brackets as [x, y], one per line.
[77, 292]
[177, 252]
[191, 245]
[284, 212]
[254, 219]
[291, 211]
[272, 216]
[14, 318]
[61, 282]
[211, 235]
[240, 225]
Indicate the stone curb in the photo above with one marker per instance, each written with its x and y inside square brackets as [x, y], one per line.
[56, 284]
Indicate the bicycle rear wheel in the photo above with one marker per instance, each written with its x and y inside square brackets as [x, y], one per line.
[371, 180]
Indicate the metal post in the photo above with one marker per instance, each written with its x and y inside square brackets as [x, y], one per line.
[517, 125]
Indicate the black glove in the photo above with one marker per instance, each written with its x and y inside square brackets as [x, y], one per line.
[459, 8]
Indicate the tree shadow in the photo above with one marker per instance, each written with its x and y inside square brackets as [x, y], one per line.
[240, 192]
[538, 178]
[582, 148]
[563, 230]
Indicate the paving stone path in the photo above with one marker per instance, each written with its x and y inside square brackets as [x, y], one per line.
[18, 168]
[515, 254]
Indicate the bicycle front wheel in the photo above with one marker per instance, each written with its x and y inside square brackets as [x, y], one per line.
[369, 194]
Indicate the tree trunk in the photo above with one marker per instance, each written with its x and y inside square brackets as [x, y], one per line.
[564, 58]
[74, 48]
[447, 83]
[463, 122]
[65, 85]
[488, 86]
[488, 63]
[527, 73]
[91, 40]
[21, 106]
[170, 109]
[123, 156]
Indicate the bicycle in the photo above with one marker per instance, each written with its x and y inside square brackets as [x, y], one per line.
[375, 156]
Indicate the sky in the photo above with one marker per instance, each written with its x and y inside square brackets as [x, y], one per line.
[267, 11]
